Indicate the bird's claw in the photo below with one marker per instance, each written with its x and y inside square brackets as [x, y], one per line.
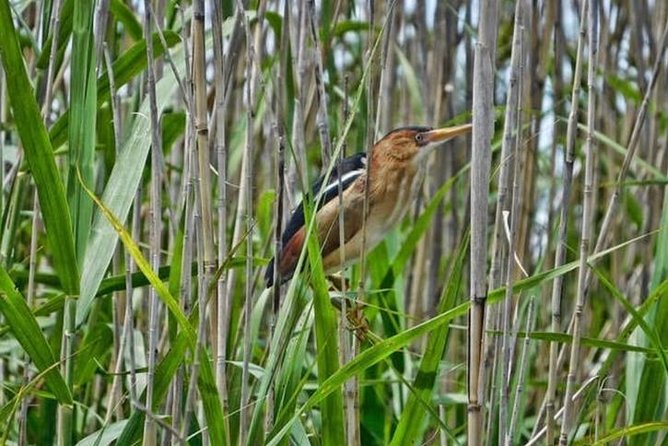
[358, 322]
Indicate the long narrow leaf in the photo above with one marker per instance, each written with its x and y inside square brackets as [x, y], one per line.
[39, 153]
[118, 195]
[145, 268]
[385, 348]
[125, 68]
[26, 330]
[410, 424]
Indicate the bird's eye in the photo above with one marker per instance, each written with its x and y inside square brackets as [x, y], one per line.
[419, 138]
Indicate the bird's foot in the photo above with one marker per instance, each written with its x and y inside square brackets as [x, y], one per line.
[338, 282]
[358, 322]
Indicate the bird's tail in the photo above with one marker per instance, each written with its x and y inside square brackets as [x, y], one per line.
[269, 273]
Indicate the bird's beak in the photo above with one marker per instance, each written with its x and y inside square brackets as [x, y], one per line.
[444, 134]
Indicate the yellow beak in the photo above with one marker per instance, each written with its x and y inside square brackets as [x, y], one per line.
[444, 134]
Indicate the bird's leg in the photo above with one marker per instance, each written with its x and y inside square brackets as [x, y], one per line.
[358, 322]
[354, 309]
[338, 282]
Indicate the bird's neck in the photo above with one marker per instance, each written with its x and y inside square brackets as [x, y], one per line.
[387, 172]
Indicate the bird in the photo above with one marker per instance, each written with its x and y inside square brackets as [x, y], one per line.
[395, 167]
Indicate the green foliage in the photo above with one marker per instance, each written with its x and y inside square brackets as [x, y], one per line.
[408, 363]
[39, 153]
[26, 330]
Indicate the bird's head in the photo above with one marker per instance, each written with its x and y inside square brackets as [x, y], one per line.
[415, 143]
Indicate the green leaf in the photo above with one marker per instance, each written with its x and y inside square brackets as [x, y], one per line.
[82, 129]
[346, 26]
[145, 268]
[105, 436]
[368, 358]
[39, 153]
[327, 347]
[64, 31]
[410, 427]
[118, 195]
[125, 68]
[213, 411]
[388, 346]
[126, 16]
[627, 88]
[645, 403]
[625, 432]
[26, 330]
[164, 374]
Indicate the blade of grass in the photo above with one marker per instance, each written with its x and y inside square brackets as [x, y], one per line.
[39, 153]
[625, 432]
[26, 330]
[126, 16]
[118, 195]
[327, 348]
[126, 67]
[171, 362]
[385, 348]
[645, 403]
[145, 267]
[82, 126]
[410, 426]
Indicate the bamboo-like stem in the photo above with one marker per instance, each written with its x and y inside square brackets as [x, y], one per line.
[126, 300]
[368, 144]
[128, 322]
[632, 146]
[222, 304]
[345, 339]
[280, 117]
[521, 368]
[560, 248]
[232, 59]
[149, 437]
[558, 92]
[483, 97]
[65, 413]
[176, 404]
[587, 220]
[205, 242]
[514, 172]
[278, 247]
[251, 71]
[202, 131]
[323, 119]
[296, 173]
[36, 220]
[202, 286]
[30, 297]
[236, 40]
[101, 19]
[189, 238]
[182, 88]
[499, 249]
[55, 29]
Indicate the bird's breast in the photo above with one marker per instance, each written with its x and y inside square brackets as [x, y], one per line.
[401, 189]
[393, 193]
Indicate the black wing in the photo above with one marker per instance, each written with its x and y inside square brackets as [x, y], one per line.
[346, 171]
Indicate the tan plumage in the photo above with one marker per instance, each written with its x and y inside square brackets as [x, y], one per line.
[397, 165]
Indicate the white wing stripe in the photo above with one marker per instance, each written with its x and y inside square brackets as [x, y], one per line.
[345, 178]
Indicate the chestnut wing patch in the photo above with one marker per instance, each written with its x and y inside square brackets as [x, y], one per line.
[346, 172]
